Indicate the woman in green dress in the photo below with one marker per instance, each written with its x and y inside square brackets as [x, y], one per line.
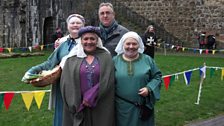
[137, 80]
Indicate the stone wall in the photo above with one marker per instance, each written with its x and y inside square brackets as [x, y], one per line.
[26, 23]
[182, 18]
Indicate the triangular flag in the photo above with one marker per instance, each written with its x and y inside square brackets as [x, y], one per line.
[36, 47]
[8, 99]
[212, 71]
[183, 49]
[178, 48]
[1, 100]
[166, 81]
[222, 75]
[203, 72]
[213, 52]
[187, 77]
[39, 98]
[1, 50]
[41, 47]
[200, 51]
[30, 48]
[172, 79]
[206, 51]
[176, 77]
[194, 50]
[27, 99]
[10, 50]
[23, 49]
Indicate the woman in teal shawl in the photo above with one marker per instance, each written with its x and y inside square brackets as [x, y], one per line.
[74, 23]
[137, 79]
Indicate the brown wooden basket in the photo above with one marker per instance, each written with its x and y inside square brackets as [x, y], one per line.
[48, 79]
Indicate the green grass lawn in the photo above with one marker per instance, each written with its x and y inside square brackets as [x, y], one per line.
[175, 108]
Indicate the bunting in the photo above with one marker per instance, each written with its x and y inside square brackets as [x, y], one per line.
[1, 100]
[159, 45]
[27, 99]
[41, 47]
[206, 51]
[166, 81]
[200, 51]
[30, 48]
[39, 97]
[8, 99]
[187, 77]
[222, 75]
[10, 50]
[212, 71]
[178, 48]
[172, 78]
[1, 50]
[203, 71]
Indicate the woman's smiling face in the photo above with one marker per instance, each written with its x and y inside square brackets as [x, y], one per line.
[89, 42]
[130, 47]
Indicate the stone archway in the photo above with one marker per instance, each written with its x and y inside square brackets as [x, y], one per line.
[48, 30]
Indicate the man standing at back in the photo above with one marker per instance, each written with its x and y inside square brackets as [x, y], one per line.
[111, 31]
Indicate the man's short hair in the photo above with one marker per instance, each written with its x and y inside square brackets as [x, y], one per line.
[106, 4]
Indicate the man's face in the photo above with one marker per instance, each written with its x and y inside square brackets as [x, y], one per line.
[106, 15]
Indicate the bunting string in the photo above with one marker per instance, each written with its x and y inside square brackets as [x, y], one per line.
[159, 45]
[24, 49]
[18, 92]
[181, 48]
[7, 96]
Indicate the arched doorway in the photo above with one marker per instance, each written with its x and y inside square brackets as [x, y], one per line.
[48, 30]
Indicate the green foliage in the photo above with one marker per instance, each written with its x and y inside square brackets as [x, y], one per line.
[175, 108]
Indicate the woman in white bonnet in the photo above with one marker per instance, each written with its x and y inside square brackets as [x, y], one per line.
[74, 22]
[137, 80]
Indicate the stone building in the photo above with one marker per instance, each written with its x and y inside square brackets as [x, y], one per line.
[26, 23]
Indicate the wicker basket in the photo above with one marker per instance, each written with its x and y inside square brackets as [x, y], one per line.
[47, 79]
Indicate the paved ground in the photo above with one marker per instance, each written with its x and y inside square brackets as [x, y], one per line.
[217, 121]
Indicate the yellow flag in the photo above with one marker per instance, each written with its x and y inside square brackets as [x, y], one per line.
[39, 98]
[213, 52]
[27, 99]
[222, 75]
[183, 49]
[10, 50]
[41, 47]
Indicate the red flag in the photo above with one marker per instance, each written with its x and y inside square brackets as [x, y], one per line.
[1, 50]
[166, 81]
[7, 99]
[206, 51]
